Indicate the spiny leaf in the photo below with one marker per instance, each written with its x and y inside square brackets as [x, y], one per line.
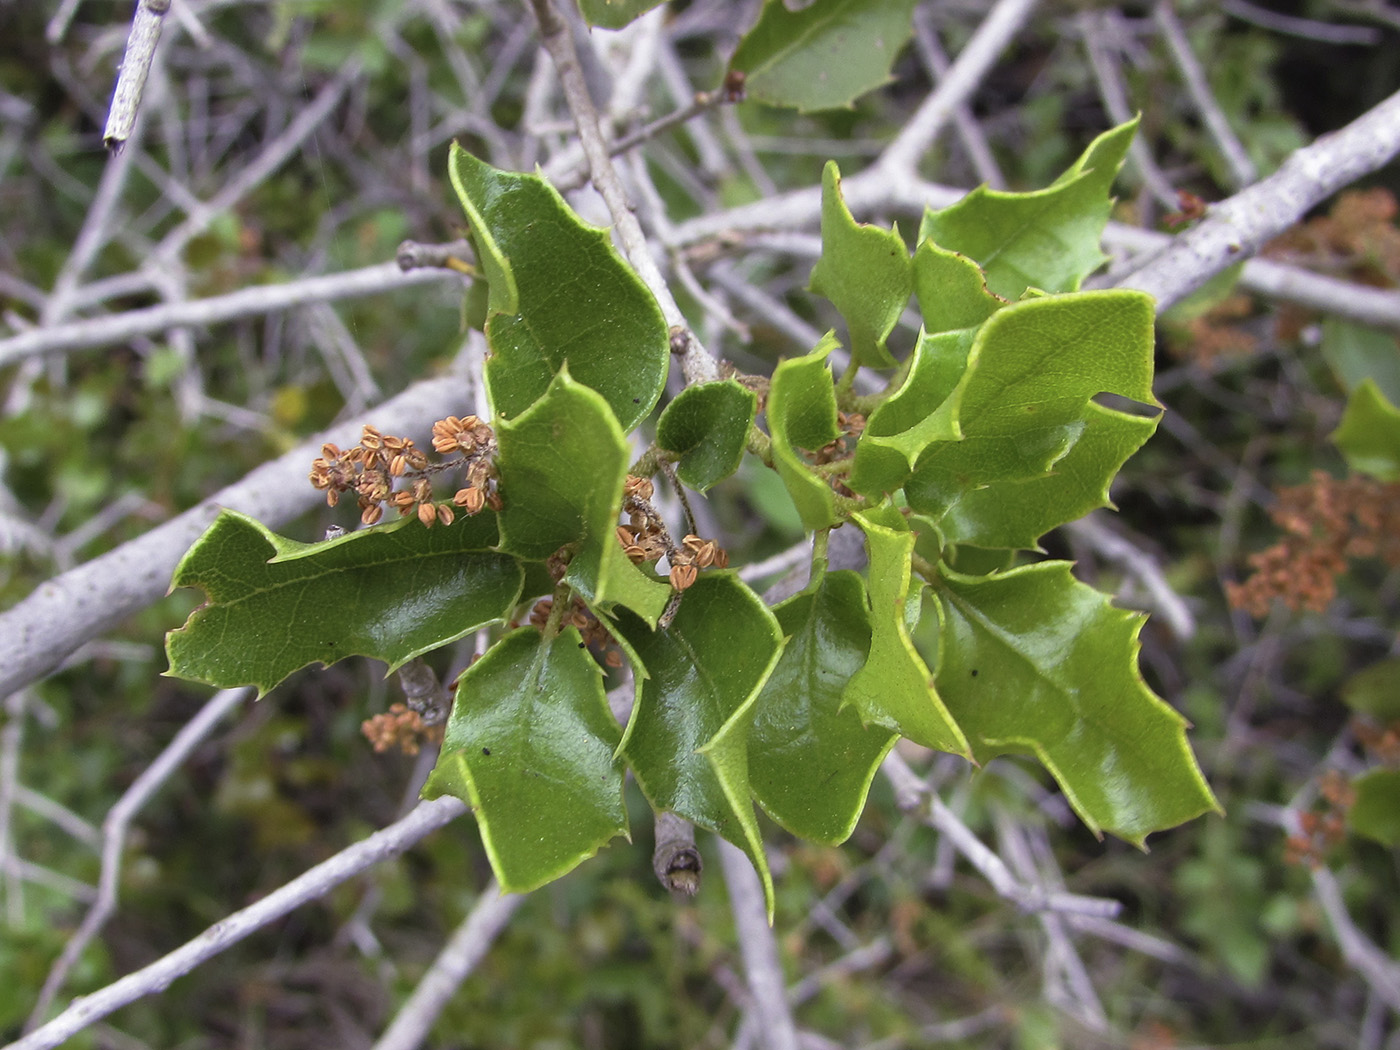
[810, 760]
[558, 293]
[708, 427]
[1369, 433]
[563, 464]
[951, 289]
[1047, 239]
[1032, 661]
[392, 593]
[824, 56]
[530, 748]
[864, 271]
[686, 739]
[895, 688]
[801, 413]
[614, 14]
[1032, 369]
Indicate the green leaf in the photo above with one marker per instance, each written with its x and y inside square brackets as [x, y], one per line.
[1032, 661]
[801, 413]
[1025, 394]
[811, 760]
[708, 427]
[698, 681]
[1047, 239]
[392, 593]
[1375, 690]
[824, 56]
[1369, 433]
[864, 271]
[1015, 514]
[614, 14]
[895, 688]
[951, 289]
[563, 464]
[1376, 811]
[923, 410]
[1356, 353]
[558, 293]
[530, 748]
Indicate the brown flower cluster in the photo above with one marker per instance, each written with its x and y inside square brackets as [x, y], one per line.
[589, 627]
[852, 425]
[644, 538]
[1358, 238]
[385, 470]
[400, 728]
[1325, 523]
[1320, 831]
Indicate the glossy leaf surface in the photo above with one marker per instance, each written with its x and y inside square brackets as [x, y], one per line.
[614, 14]
[563, 463]
[864, 271]
[686, 741]
[529, 747]
[1032, 371]
[895, 688]
[811, 760]
[1376, 811]
[1032, 661]
[392, 593]
[824, 56]
[707, 426]
[1047, 239]
[1369, 433]
[559, 293]
[801, 413]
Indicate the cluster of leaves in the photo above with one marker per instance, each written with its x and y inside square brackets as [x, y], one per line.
[985, 437]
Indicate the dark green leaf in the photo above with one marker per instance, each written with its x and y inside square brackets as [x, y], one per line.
[1048, 239]
[810, 760]
[563, 464]
[1369, 433]
[686, 739]
[864, 271]
[558, 293]
[824, 56]
[708, 427]
[393, 593]
[1375, 690]
[1032, 661]
[801, 414]
[530, 748]
[614, 14]
[1376, 811]
[895, 688]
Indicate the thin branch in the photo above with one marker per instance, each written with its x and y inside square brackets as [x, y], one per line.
[1306, 28]
[136, 65]
[675, 858]
[114, 831]
[759, 948]
[454, 964]
[1142, 567]
[426, 818]
[969, 131]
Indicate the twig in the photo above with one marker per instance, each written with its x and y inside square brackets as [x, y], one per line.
[1307, 28]
[454, 964]
[426, 818]
[136, 65]
[675, 858]
[114, 830]
[969, 131]
[759, 948]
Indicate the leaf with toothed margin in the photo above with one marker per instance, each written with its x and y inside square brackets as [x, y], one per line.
[801, 414]
[707, 426]
[391, 592]
[696, 685]
[1032, 661]
[530, 748]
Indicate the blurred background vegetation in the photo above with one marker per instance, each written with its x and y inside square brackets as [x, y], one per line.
[97, 445]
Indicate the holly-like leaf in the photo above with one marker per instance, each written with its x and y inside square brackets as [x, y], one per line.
[392, 593]
[1015, 514]
[530, 748]
[563, 464]
[1047, 239]
[801, 413]
[1369, 433]
[1376, 811]
[864, 271]
[824, 56]
[811, 760]
[707, 426]
[1031, 372]
[614, 14]
[923, 410]
[1032, 661]
[895, 688]
[558, 293]
[686, 741]
[951, 289]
